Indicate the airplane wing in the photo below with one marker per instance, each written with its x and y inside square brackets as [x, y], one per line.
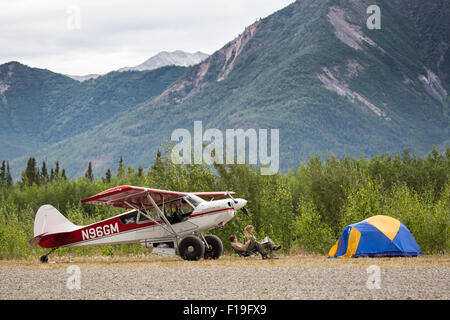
[122, 196]
[137, 197]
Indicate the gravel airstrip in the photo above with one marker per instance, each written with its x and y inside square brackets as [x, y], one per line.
[289, 277]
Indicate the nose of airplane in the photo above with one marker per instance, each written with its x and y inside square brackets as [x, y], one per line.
[240, 203]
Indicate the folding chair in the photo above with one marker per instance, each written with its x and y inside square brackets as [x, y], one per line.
[245, 253]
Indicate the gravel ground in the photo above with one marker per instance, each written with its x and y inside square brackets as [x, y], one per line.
[270, 282]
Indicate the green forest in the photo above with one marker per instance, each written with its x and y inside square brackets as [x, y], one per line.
[304, 209]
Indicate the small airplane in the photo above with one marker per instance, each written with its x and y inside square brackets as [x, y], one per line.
[170, 222]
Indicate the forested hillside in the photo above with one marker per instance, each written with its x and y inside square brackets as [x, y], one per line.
[41, 108]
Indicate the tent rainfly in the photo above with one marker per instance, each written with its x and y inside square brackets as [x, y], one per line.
[377, 236]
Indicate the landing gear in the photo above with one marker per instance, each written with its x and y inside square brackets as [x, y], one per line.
[44, 258]
[191, 248]
[213, 247]
[195, 248]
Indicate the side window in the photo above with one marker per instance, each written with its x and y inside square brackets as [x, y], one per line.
[129, 218]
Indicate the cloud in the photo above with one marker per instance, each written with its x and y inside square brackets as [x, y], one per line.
[81, 37]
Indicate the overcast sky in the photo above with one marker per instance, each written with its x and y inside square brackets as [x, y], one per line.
[82, 37]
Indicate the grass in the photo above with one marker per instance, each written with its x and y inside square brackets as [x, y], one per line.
[149, 261]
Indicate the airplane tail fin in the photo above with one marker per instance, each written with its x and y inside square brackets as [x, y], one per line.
[49, 220]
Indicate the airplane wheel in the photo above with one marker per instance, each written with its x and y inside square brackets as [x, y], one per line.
[216, 247]
[44, 258]
[191, 248]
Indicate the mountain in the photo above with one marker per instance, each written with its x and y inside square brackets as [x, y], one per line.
[40, 108]
[314, 71]
[162, 59]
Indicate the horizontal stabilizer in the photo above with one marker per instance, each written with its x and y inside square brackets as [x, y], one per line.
[36, 239]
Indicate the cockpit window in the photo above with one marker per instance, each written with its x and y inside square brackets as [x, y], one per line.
[194, 200]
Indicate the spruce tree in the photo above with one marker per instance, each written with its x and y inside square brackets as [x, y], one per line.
[107, 178]
[31, 173]
[121, 169]
[9, 180]
[89, 175]
[44, 173]
[157, 170]
[63, 174]
[57, 170]
[3, 173]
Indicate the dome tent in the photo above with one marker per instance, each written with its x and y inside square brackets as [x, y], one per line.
[377, 236]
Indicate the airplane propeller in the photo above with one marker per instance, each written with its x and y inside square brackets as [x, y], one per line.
[240, 204]
[244, 210]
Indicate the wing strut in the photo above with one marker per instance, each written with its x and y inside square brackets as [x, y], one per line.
[151, 218]
[162, 216]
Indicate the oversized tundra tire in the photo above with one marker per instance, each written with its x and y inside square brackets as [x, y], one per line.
[191, 248]
[215, 249]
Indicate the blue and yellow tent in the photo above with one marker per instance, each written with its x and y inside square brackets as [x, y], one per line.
[376, 236]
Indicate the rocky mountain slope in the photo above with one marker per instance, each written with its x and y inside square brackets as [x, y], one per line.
[314, 71]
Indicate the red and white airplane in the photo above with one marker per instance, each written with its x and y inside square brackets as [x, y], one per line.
[167, 221]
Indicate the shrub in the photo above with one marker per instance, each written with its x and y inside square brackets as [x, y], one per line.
[363, 202]
[312, 234]
[427, 221]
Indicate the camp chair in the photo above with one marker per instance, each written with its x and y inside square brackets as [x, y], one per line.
[245, 253]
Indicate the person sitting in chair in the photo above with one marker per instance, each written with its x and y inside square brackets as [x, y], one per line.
[267, 243]
[249, 246]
